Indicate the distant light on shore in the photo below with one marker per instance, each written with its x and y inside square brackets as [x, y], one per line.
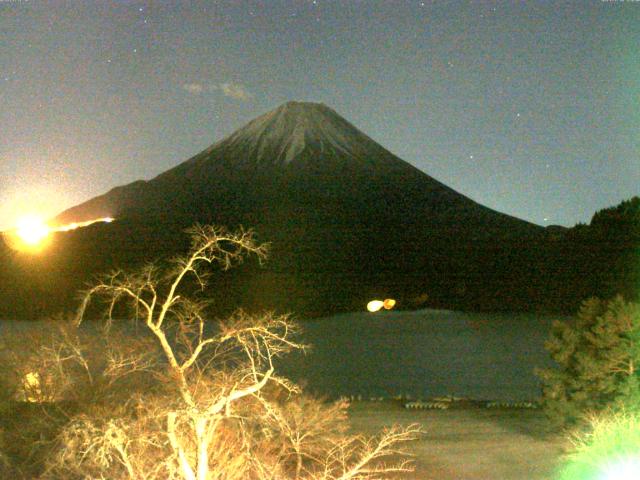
[376, 305]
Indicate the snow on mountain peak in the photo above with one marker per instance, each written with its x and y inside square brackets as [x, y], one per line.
[280, 135]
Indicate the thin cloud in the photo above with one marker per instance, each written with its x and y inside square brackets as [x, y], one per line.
[236, 90]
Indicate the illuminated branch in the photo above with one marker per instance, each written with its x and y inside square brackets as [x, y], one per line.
[218, 385]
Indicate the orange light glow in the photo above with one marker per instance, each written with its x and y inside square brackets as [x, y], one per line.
[75, 225]
[389, 303]
[32, 230]
[32, 234]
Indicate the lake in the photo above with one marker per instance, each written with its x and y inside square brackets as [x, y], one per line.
[420, 354]
[423, 354]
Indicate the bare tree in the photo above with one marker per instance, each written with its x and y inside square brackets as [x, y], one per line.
[219, 410]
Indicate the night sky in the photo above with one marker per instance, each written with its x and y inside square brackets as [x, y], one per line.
[530, 108]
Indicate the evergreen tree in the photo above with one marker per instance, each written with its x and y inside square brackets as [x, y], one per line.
[615, 234]
[598, 358]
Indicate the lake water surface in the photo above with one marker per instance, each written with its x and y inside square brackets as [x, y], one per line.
[420, 354]
[424, 354]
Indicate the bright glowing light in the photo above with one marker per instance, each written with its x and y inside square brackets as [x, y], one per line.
[32, 233]
[375, 305]
[624, 469]
[31, 385]
[389, 303]
[32, 230]
[610, 450]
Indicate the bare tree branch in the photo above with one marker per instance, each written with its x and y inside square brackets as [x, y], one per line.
[218, 409]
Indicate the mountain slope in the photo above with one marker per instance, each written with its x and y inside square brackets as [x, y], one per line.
[347, 220]
[305, 147]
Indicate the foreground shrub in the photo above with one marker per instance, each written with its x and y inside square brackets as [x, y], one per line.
[55, 361]
[609, 449]
[598, 358]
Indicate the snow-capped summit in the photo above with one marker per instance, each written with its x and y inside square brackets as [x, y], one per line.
[280, 136]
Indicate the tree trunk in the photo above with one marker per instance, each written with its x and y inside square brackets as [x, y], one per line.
[187, 471]
[203, 447]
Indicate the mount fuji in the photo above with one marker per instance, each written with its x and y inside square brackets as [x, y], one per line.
[347, 220]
